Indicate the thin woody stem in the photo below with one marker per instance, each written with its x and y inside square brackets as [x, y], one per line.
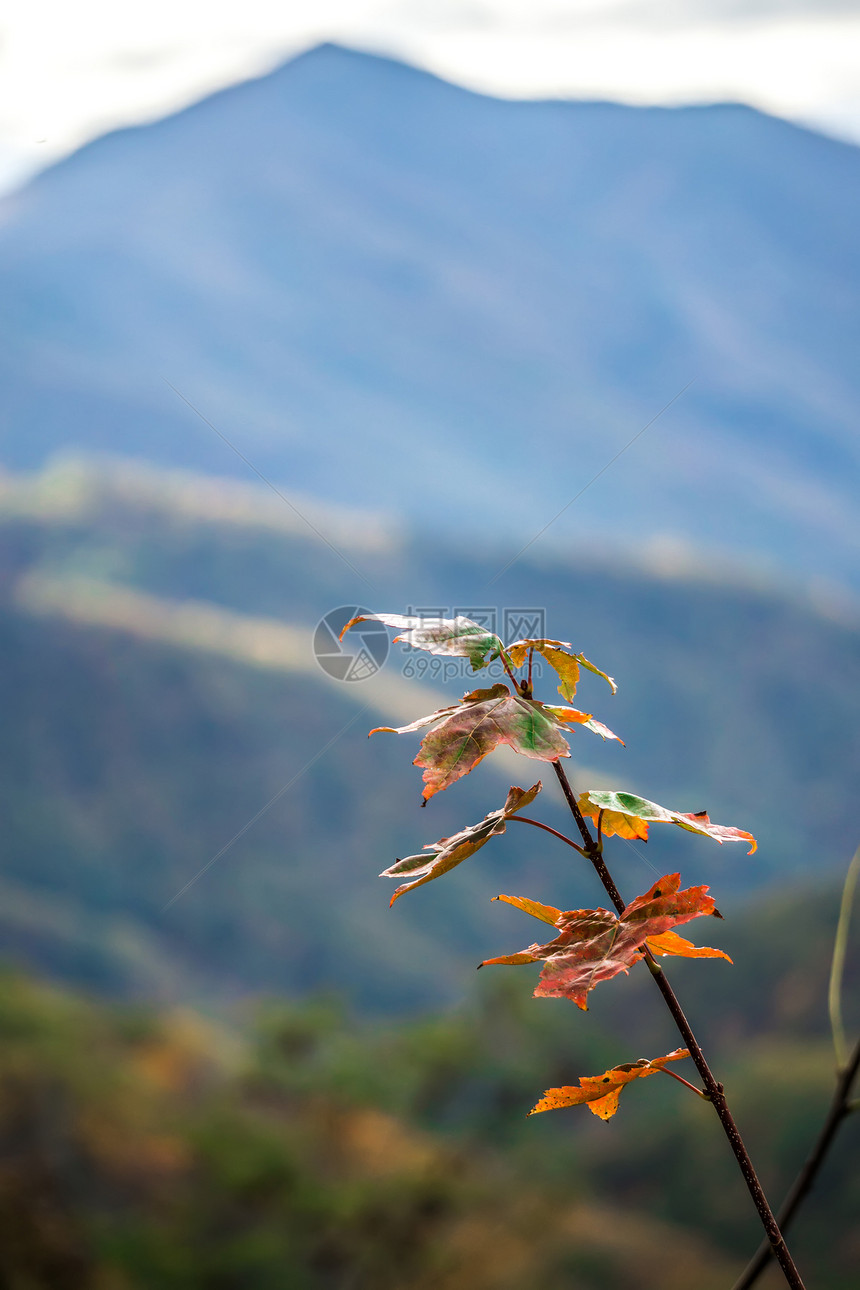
[524, 819]
[714, 1090]
[840, 1108]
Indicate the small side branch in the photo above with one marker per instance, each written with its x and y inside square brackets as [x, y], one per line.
[524, 819]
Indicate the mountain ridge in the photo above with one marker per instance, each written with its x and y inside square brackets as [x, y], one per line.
[365, 277]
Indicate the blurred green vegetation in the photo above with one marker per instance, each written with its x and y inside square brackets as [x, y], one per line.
[312, 1148]
[142, 1151]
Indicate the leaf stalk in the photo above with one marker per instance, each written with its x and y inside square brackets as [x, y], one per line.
[524, 819]
[700, 1092]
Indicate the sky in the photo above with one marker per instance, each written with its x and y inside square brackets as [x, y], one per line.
[69, 72]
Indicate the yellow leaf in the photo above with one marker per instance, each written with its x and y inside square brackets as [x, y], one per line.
[601, 1092]
[672, 943]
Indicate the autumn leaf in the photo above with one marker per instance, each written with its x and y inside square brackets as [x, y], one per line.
[698, 822]
[437, 858]
[628, 816]
[546, 913]
[600, 1093]
[672, 943]
[666, 903]
[414, 725]
[483, 720]
[595, 945]
[569, 716]
[459, 636]
[559, 656]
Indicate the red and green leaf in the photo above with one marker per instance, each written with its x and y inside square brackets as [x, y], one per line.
[437, 858]
[459, 636]
[483, 720]
[600, 1093]
[628, 816]
[595, 945]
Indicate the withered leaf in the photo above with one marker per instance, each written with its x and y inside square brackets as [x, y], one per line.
[437, 858]
[459, 636]
[570, 716]
[483, 719]
[594, 945]
[628, 816]
[600, 1093]
[559, 655]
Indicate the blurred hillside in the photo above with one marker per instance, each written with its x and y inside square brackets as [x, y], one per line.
[382, 287]
[159, 691]
[136, 1153]
[313, 1149]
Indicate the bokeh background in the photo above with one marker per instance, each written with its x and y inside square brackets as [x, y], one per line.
[547, 308]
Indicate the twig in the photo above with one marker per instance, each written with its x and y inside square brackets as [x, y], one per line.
[713, 1089]
[524, 819]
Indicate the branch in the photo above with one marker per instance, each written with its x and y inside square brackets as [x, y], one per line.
[524, 819]
[714, 1090]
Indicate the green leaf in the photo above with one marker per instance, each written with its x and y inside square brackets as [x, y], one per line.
[459, 636]
[447, 853]
[628, 816]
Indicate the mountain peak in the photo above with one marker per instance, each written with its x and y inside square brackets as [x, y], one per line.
[384, 286]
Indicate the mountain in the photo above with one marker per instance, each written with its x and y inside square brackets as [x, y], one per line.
[192, 810]
[383, 288]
